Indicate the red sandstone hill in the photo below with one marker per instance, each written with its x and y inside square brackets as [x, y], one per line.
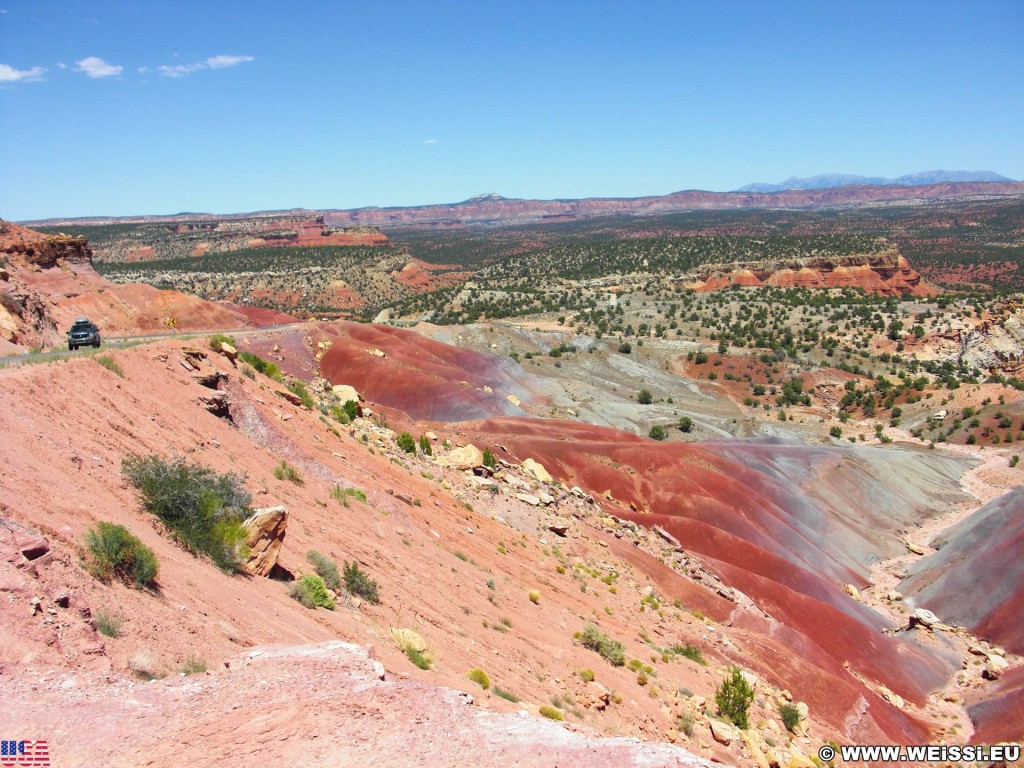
[46, 281]
[886, 274]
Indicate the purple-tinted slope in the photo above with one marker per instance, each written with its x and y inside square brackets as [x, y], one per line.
[426, 379]
[976, 579]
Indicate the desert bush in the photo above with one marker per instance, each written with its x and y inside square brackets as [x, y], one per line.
[506, 695]
[219, 339]
[790, 716]
[657, 432]
[194, 665]
[685, 424]
[311, 592]
[489, 459]
[645, 397]
[107, 624]
[593, 638]
[551, 713]
[285, 471]
[298, 389]
[692, 652]
[479, 677]
[202, 509]
[419, 658]
[685, 723]
[143, 665]
[534, 596]
[406, 442]
[268, 369]
[425, 448]
[326, 569]
[586, 675]
[110, 364]
[358, 583]
[733, 698]
[114, 552]
[342, 495]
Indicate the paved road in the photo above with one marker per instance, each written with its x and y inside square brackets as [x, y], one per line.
[119, 342]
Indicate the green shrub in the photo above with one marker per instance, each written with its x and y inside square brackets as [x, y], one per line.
[342, 495]
[107, 624]
[645, 397]
[685, 424]
[202, 509]
[657, 432]
[593, 638]
[268, 369]
[406, 442]
[419, 658]
[479, 677]
[506, 695]
[790, 716]
[551, 713]
[489, 459]
[114, 552]
[733, 698]
[692, 652]
[194, 665]
[425, 448]
[358, 583]
[625, 347]
[685, 723]
[586, 675]
[298, 389]
[311, 592]
[326, 569]
[218, 340]
[110, 364]
[285, 471]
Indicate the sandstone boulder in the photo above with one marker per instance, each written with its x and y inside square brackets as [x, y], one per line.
[537, 470]
[228, 351]
[722, 733]
[344, 393]
[266, 529]
[922, 617]
[466, 457]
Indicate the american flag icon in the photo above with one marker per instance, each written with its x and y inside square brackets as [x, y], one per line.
[24, 754]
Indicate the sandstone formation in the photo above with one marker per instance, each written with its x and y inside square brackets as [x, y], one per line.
[886, 273]
[181, 239]
[266, 529]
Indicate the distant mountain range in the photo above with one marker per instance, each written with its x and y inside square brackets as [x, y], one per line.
[831, 180]
[833, 191]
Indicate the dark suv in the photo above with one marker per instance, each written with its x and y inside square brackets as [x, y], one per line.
[83, 334]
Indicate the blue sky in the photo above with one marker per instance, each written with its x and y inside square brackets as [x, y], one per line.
[118, 108]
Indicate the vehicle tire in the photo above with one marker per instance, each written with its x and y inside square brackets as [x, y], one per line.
[71, 346]
[97, 345]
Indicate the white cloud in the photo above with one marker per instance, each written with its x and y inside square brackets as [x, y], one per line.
[9, 74]
[219, 62]
[96, 68]
[430, 141]
[214, 62]
[178, 70]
